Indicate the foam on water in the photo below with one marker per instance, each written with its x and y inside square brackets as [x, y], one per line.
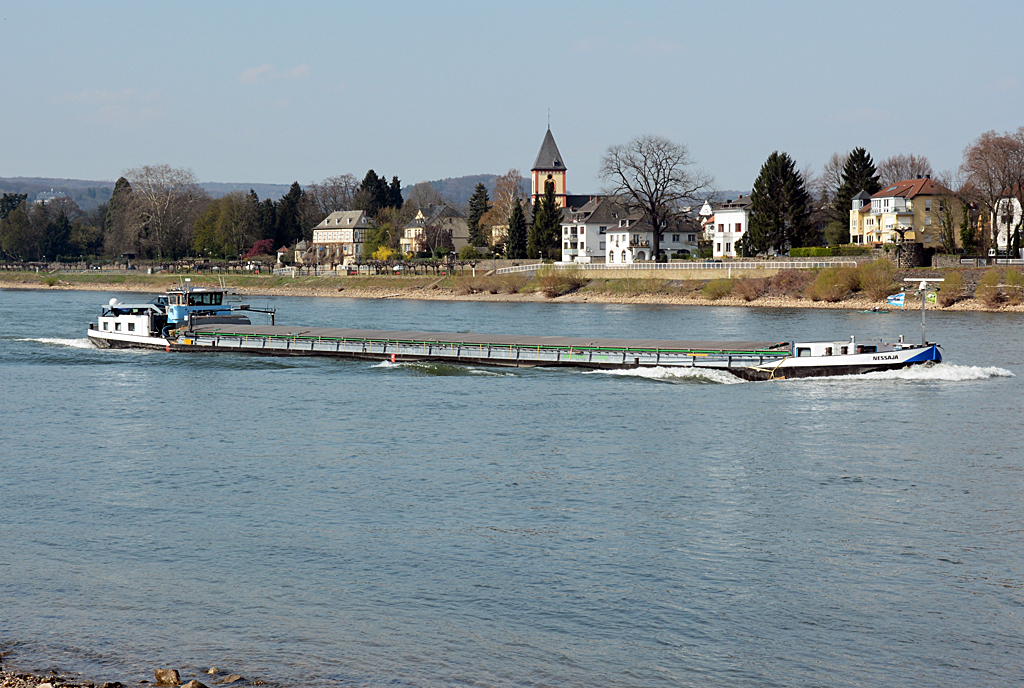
[939, 372]
[81, 343]
[663, 374]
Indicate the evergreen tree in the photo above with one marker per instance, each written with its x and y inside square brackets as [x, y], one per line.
[780, 207]
[288, 227]
[9, 202]
[516, 232]
[56, 237]
[545, 238]
[395, 193]
[479, 204]
[267, 220]
[859, 174]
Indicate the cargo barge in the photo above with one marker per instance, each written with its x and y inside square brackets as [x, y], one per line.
[192, 320]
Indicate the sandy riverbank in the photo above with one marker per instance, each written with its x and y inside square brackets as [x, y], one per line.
[456, 290]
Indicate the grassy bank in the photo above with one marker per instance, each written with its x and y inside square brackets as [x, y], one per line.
[866, 286]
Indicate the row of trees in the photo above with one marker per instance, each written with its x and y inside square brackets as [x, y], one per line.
[162, 213]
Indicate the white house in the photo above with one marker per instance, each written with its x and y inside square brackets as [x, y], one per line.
[339, 237]
[603, 231]
[1008, 218]
[729, 223]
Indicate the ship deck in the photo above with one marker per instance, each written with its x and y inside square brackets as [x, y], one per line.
[466, 347]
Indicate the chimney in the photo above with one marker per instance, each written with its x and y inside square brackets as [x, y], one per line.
[918, 176]
[927, 176]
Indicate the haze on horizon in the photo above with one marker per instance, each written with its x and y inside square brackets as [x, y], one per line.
[247, 92]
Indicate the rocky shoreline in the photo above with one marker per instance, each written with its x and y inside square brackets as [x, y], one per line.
[855, 302]
[161, 678]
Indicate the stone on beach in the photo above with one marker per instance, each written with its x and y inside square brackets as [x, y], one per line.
[194, 684]
[167, 677]
[231, 679]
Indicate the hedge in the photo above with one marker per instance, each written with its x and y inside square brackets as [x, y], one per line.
[825, 251]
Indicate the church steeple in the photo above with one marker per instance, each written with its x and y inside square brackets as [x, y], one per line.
[549, 166]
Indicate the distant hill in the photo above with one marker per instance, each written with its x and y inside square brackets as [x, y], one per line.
[457, 190]
[89, 193]
[264, 191]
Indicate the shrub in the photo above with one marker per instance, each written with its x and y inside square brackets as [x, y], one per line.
[716, 289]
[830, 285]
[789, 283]
[825, 251]
[1014, 281]
[751, 288]
[878, 278]
[50, 281]
[952, 289]
[512, 284]
[989, 291]
[554, 282]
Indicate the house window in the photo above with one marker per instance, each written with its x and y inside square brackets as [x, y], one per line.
[611, 256]
[927, 205]
[721, 228]
[690, 237]
[565, 231]
[728, 247]
[623, 256]
[675, 238]
[739, 227]
[718, 247]
[927, 220]
[582, 246]
[567, 244]
[602, 245]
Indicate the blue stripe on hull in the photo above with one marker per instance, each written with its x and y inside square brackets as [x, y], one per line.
[932, 353]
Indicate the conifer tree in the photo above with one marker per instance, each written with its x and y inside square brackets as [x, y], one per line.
[780, 207]
[516, 232]
[545, 240]
[395, 193]
[288, 228]
[859, 174]
[479, 204]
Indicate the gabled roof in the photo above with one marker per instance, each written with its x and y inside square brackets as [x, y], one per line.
[862, 196]
[346, 218]
[908, 188]
[432, 213]
[548, 158]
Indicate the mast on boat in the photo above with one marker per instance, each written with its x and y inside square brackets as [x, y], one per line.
[923, 289]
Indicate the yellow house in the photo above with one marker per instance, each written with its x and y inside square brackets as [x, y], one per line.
[911, 207]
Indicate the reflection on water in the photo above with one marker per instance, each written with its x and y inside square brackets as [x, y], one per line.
[316, 521]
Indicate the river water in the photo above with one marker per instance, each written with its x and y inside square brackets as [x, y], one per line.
[322, 522]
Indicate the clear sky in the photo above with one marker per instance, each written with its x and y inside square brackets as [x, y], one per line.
[278, 92]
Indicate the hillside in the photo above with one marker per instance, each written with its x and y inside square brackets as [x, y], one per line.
[457, 190]
[90, 193]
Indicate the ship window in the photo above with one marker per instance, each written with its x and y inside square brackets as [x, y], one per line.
[803, 351]
[106, 326]
[868, 349]
[131, 327]
[117, 326]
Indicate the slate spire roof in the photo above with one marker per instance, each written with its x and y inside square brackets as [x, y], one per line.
[548, 158]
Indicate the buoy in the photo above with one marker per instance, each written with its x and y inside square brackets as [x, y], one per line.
[392, 358]
[168, 348]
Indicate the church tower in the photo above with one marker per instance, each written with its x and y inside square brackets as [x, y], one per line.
[548, 167]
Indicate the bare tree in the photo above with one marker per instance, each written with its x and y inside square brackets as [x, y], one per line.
[825, 185]
[166, 203]
[655, 176]
[423, 195]
[994, 165]
[951, 200]
[507, 191]
[899, 167]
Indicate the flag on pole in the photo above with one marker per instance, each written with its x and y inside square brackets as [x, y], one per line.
[930, 297]
[896, 299]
